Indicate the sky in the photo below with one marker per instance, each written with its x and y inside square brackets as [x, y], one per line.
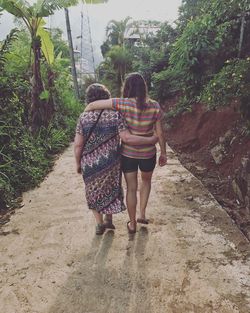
[100, 15]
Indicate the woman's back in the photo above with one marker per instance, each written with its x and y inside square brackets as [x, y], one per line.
[140, 122]
[108, 126]
[100, 161]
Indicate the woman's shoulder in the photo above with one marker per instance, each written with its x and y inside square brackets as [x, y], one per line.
[128, 102]
[109, 113]
[153, 103]
[85, 114]
[90, 113]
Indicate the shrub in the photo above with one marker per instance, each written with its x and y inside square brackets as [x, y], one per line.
[25, 159]
[231, 83]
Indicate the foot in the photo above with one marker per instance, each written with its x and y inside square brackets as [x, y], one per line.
[130, 229]
[143, 220]
[99, 229]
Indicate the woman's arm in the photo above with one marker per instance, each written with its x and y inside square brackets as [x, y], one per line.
[133, 140]
[99, 105]
[78, 147]
[162, 142]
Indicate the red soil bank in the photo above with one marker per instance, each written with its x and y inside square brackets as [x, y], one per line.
[192, 135]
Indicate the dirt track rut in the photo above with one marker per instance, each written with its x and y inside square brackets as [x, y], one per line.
[191, 258]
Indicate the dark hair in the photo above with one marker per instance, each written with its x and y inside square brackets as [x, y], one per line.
[136, 87]
[97, 92]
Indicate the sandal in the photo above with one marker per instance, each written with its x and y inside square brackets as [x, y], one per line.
[143, 220]
[130, 231]
[99, 229]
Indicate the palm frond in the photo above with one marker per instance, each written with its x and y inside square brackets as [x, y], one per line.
[44, 8]
[94, 1]
[19, 8]
[5, 48]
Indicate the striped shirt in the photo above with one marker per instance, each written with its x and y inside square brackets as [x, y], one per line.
[140, 122]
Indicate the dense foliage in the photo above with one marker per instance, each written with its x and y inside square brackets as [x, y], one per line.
[205, 57]
[25, 157]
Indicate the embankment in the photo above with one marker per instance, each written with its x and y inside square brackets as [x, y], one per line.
[215, 147]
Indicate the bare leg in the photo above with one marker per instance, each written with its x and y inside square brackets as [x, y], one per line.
[98, 217]
[145, 189]
[108, 217]
[108, 221]
[131, 198]
[100, 228]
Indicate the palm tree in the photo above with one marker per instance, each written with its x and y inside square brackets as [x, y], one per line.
[120, 59]
[116, 31]
[32, 16]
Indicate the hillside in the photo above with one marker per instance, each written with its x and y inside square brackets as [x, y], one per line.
[215, 147]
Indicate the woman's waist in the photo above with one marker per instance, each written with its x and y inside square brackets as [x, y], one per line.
[141, 153]
[142, 133]
[142, 147]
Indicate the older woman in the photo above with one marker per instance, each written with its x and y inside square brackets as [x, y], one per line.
[97, 154]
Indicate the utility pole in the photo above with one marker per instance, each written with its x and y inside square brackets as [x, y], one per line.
[87, 50]
[91, 44]
[81, 45]
[71, 52]
[242, 28]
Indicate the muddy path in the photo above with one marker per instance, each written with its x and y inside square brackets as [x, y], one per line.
[191, 258]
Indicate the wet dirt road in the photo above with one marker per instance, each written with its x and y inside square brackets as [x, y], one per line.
[191, 258]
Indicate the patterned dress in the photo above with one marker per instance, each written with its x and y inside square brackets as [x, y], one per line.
[100, 160]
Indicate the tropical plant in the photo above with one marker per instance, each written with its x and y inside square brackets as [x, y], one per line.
[121, 61]
[116, 32]
[32, 16]
[188, 11]
[231, 83]
[24, 158]
[210, 32]
[151, 54]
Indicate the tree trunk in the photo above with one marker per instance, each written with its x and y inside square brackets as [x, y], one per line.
[71, 51]
[50, 102]
[37, 107]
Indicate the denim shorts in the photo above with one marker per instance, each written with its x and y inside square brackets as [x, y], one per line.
[130, 165]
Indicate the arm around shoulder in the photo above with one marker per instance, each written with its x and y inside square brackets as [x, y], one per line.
[99, 105]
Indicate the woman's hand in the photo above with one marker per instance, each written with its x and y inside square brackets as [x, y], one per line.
[88, 107]
[162, 160]
[78, 147]
[155, 139]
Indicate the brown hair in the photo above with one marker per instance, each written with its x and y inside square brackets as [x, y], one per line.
[136, 87]
[97, 92]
